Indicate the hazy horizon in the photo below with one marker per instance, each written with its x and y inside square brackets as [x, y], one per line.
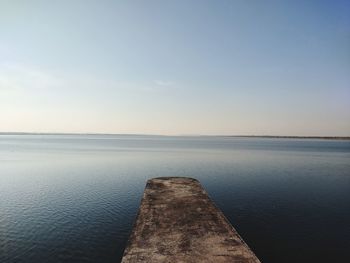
[175, 135]
[277, 68]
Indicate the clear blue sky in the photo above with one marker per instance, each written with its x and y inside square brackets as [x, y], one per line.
[176, 67]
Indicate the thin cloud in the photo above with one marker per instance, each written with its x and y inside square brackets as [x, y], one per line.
[16, 76]
[163, 83]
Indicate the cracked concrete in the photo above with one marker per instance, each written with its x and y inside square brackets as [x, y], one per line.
[177, 222]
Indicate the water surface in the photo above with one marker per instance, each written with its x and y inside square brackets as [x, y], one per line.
[73, 198]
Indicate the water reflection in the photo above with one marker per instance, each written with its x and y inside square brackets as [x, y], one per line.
[74, 198]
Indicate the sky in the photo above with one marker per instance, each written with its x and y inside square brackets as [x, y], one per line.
[184, 67]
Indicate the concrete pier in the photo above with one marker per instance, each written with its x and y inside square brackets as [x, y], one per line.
[177, 222]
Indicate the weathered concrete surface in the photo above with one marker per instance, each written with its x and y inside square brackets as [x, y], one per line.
[177, 222]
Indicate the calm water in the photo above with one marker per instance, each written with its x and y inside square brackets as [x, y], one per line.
[74, 198]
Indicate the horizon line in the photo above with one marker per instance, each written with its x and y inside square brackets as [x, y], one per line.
[183, 135]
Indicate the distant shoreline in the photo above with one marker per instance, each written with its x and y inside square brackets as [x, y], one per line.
[295, 137]
[199, 135]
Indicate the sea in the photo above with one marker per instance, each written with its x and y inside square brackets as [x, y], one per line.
[74, 198]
